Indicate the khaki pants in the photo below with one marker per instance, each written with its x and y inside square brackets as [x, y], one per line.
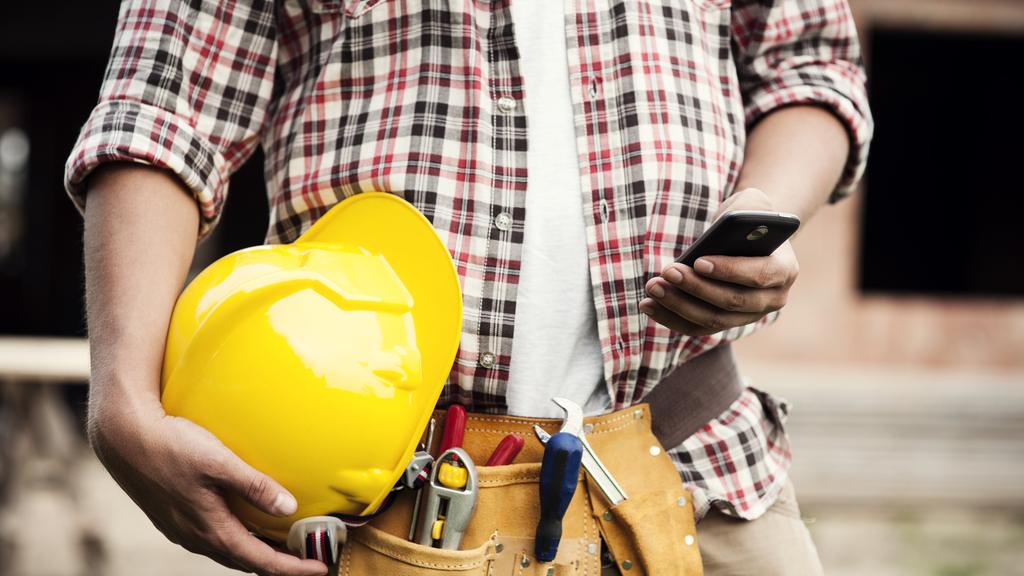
[776, 544]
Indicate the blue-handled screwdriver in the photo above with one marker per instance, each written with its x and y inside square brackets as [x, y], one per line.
[558, 474]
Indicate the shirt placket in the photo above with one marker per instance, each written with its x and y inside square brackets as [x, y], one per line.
[594, 96]
[504, 208]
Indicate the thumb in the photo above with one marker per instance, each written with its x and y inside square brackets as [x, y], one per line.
[257, 488]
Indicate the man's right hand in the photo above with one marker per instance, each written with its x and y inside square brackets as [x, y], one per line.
[179, 473]
[140, 234]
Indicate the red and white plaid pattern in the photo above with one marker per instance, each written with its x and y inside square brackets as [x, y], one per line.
[403, 96]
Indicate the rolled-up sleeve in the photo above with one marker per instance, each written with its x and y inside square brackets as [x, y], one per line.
[187, 89]
[804, 52]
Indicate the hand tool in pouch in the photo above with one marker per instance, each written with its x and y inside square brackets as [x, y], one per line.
[573, 424]
[422, 476]
[506, 451]
[559, 473]
[449, 498]
[454, 428]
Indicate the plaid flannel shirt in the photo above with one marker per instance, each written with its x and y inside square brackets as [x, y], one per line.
[425, 99]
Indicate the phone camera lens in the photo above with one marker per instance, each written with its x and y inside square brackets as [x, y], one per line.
[758, 233]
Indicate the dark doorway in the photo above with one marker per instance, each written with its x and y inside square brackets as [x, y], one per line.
[944, 212]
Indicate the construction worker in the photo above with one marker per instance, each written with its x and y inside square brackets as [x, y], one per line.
[564, 155]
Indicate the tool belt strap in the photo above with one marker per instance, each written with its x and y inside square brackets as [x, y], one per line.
[693, 394]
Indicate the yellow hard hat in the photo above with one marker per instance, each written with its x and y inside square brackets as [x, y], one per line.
[319, 362]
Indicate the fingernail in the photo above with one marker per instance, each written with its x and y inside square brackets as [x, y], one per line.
[672, 275]
[285, 504]
[646, 306]
[657, 291]
[703, 266]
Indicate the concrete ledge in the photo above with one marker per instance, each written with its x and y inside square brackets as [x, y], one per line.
[881, 435]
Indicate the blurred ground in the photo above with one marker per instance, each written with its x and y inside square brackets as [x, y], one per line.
[900, 472]
[907, 472]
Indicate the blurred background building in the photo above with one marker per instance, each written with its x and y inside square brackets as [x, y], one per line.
[902, 348]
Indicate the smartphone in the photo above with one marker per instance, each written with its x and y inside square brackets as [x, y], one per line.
[743, 233]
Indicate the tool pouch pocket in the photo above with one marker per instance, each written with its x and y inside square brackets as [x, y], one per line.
[498, 541]
[653, 531]
[371, 551]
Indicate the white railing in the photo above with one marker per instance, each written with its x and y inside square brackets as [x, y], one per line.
[44, 359]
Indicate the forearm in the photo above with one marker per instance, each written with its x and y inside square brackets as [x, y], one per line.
[796, 155]
[140, 235]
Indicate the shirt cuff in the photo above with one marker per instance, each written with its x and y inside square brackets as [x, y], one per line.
[848, 103]
[131, 131]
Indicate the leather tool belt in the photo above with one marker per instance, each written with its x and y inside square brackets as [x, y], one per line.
[651, 532]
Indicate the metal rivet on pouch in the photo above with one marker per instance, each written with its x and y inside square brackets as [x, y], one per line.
[524, 562]
[655, 450]
[638, 414]
[626, 564]
[499, 548]
[607, 515]
[591, 548]
[688, 540]
[681, 502]
[551, 571]
[588, 428]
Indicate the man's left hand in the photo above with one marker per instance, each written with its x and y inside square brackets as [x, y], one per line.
[721, 292]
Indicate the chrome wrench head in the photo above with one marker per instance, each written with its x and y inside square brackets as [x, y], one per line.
[573, 422]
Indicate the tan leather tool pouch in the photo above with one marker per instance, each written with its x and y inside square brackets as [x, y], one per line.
[653, 531]
[498, 541]
[649, 529]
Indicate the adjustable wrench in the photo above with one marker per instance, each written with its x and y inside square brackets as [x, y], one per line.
[573, 424]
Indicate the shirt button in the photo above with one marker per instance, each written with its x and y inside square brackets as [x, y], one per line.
[604, 211]
[503, 221]
[487, 360]
[507, 104]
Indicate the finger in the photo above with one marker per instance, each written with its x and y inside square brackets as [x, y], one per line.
[670, 320]
[256, 487]
[700, 312]
[244, 548]
[223, 560]
[201, 547]
[724, 295]
[750, 271]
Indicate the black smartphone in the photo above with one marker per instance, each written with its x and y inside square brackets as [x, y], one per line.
[742, 233]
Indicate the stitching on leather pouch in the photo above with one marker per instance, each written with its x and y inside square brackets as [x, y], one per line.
[613, 429]
[346, 559]
[501, 420]
[497, 431]
[421, 563]
[586, 534]
[627, 416]
[500, 481]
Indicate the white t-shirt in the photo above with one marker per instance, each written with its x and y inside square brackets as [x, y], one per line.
[555, 348]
